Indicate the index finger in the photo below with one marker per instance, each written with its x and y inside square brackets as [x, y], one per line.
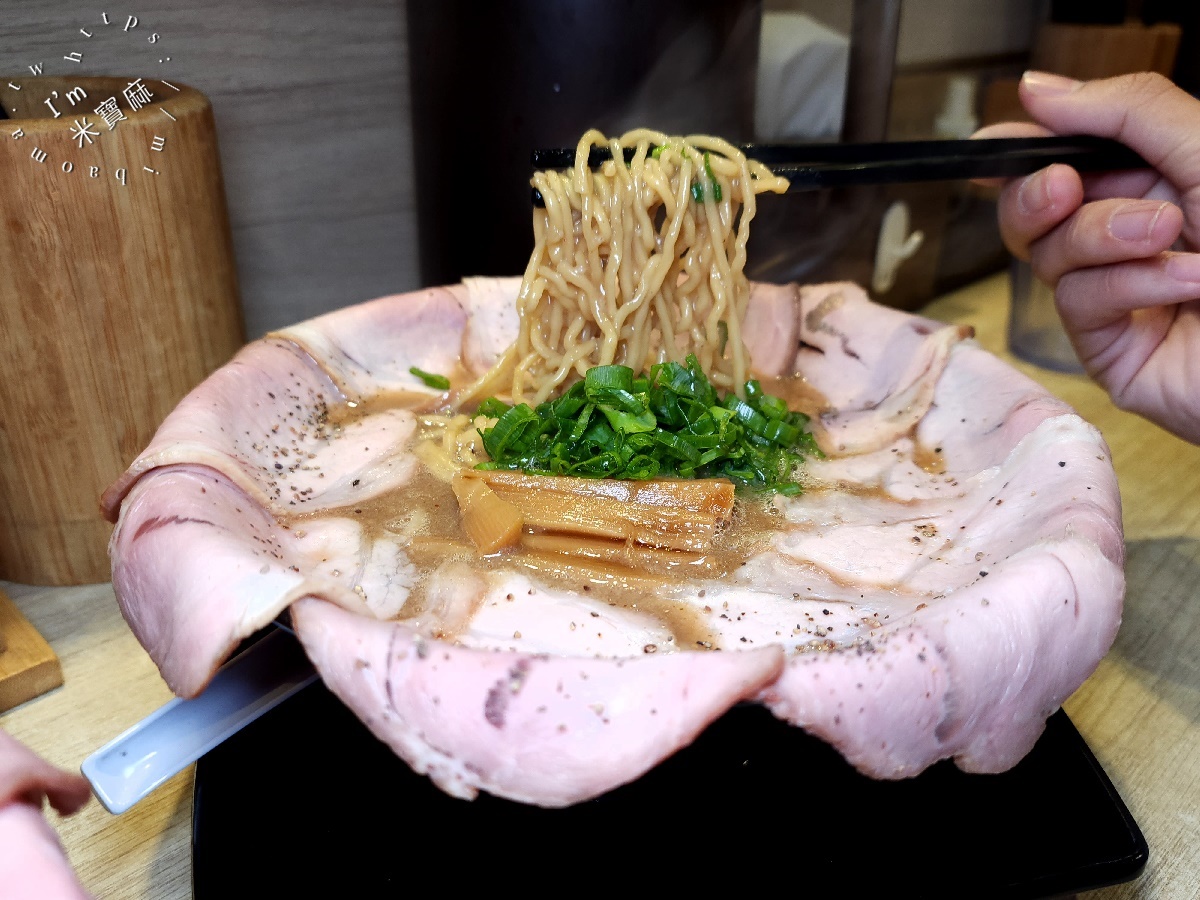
[1144, 111]
[1006, 130]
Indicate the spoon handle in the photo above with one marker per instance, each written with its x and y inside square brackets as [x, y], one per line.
[173, 737]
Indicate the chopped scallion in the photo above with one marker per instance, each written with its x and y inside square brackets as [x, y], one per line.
[441, 382]
[669, 422]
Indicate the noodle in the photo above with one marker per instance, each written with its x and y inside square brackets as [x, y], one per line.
[636, 264]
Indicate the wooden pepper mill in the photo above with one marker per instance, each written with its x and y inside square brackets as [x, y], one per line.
[118, 294]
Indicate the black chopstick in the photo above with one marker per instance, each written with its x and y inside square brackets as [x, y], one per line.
[814, 166]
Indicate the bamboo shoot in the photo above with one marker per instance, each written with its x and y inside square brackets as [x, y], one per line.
[677, 514]
[634, 556]
[490, 522]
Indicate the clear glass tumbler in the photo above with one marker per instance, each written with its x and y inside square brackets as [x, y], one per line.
[1035, 333]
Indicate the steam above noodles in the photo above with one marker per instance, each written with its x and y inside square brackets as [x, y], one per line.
[636, 264]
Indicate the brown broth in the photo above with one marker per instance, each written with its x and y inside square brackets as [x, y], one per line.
[798, 393]
[425, 513]
[440, 536]
[930, 459]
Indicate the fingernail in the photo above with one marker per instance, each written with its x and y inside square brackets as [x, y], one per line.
[1133, 223]
[1184, 267]
[1034, 194]
[1046, 84]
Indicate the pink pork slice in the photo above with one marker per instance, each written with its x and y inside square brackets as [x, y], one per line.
[940, 660]
[547, 730]
[1015, 546]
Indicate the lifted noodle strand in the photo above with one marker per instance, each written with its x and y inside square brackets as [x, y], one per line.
[636, 263]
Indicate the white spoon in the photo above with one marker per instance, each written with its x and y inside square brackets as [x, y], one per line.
[173, 737]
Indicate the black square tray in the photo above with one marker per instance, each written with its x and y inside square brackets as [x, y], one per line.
[306, 802]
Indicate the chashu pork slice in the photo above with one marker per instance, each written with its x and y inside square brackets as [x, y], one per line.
[200, 558]
[1015, 596]
[198, 566]
[264, 419]
[977, 524]
[539, 729]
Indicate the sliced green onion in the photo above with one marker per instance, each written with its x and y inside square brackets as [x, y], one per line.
[714, 185]
[492, 408]
[608, 377]
[441, 382]
[628, 423]
[781, 433]
[510, 430]
[669, 422]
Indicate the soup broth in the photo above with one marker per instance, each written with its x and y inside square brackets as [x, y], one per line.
[424, 518]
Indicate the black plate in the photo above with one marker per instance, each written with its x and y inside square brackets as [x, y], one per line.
[306, 802]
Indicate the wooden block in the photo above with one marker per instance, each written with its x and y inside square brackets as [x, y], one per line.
[28, 666]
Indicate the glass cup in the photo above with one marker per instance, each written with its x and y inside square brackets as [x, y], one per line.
[1035, 333]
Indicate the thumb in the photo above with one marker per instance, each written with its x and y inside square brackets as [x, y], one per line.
[1144, 111]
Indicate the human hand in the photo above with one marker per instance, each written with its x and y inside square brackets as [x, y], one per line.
[32, 862]
[1120, 248]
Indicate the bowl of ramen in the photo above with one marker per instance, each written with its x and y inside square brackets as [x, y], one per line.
[538, 533]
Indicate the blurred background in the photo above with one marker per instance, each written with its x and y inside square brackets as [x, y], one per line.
[370, 146]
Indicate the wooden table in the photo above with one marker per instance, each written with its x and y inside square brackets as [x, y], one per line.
[1140, 711]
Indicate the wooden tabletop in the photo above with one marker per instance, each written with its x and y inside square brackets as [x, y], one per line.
[1140, 711]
